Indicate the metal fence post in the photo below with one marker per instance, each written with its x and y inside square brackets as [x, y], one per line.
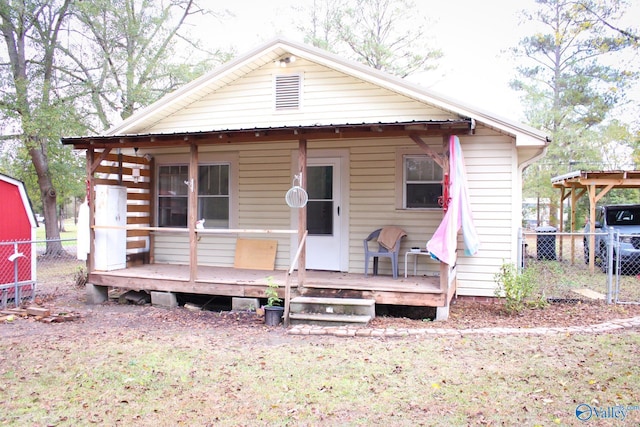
[610, 263]
[521, 251]
[618, 271]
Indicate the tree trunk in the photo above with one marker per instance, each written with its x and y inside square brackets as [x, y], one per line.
[49, 202]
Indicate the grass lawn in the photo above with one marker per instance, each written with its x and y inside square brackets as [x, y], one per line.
[69, 233]
[227, 377]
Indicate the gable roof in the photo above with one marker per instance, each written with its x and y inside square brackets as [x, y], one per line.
[26, 202]
[276, 49]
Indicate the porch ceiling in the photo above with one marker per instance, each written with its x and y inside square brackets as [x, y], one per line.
[421, 128]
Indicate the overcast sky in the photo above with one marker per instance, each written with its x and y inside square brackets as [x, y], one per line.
[473, 34]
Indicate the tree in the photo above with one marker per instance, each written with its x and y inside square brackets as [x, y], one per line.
[384, 34]
[30, 30]
[630, 33]
[568, 83]
[135, 53]
[69, 64]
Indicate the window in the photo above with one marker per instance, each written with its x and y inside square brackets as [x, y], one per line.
[422, 182]
[172, 196]
[213, 195]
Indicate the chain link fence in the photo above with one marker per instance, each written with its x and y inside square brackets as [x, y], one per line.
[28, 269]
[561, 261]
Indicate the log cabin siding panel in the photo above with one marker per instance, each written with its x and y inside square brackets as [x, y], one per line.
[248, 103]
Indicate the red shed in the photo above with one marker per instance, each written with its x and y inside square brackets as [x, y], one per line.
[17, 232]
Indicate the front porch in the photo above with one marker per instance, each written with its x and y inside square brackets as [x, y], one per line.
[228, 281]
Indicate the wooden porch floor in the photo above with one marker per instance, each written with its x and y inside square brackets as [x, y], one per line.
[225, 281]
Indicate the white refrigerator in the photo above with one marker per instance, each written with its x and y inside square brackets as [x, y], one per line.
[110, 243]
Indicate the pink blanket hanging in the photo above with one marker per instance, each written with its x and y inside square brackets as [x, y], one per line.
[444, 241]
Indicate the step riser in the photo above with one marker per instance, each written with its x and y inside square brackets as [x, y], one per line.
[328, 319]
[321, 323]
[331, 311]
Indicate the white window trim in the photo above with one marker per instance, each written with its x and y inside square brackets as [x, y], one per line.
[203, 159]
[401, 188]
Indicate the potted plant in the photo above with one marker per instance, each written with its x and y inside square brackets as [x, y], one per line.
[273, 310]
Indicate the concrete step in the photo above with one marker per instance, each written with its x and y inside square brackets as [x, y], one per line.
[323, 300]
[331, 311]
[328, 319]
[354, 306]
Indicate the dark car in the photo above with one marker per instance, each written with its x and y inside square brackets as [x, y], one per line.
[624, 220]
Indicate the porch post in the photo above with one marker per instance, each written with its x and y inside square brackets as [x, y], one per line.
[592, 227]
[563, 197]
[576, 193]
[302, 212]
[90, 200]
[193, 213]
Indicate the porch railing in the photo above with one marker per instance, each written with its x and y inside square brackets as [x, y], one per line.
[210, 231]
[287, 281]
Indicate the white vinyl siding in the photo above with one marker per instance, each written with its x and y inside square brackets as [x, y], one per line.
[373, 202]
[264, 176]
[248, 103]
[490, 161]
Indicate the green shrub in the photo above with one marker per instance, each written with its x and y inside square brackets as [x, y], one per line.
[517, 288]
[272, 293]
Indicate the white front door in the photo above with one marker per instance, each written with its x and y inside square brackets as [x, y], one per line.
[324, 219]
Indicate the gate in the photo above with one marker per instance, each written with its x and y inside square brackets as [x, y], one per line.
[561, 261]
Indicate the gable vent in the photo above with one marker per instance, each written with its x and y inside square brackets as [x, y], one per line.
[288, 88]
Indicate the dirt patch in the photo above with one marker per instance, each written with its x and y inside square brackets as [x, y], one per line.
[468, 314]
[463, 315]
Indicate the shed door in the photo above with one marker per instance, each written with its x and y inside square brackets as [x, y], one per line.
[323, 214]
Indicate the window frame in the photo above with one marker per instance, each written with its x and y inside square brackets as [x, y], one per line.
[401, 179]
[158, 196]
[206, 159]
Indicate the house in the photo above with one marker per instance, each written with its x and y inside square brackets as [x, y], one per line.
[17, 232]
[369, 149]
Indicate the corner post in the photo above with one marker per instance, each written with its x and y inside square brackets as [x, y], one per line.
[192, 185]
[302, 212]
[90, 200]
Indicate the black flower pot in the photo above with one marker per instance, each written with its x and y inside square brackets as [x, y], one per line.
[273, 315]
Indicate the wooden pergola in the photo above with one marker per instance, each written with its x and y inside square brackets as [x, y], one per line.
[595, 184]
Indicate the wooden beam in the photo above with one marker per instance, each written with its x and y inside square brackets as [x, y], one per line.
[444, 277]
[95, 163]
[302, 212]
[563, 196]
[604, 191]
[592, 227]
[445, 159]
[439, 159]
[152, 210]
[192, 185]
[90, 154]
[390, 130]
